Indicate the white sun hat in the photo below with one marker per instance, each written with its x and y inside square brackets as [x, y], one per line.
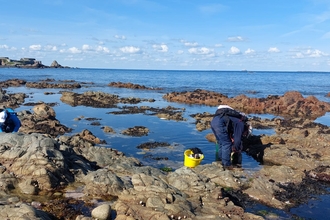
[224, 106]
[3, 116]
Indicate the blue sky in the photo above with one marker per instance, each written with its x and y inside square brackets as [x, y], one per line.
[279, 35]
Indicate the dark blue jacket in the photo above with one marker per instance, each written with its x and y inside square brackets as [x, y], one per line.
[238, 129]
[234, 127]
[12, 123]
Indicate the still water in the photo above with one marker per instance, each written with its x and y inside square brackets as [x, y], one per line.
[183, 134]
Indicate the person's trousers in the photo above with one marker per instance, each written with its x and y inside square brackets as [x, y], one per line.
[225, 144]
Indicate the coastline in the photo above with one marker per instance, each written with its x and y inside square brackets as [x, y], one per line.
[289, 139]
[27, 63]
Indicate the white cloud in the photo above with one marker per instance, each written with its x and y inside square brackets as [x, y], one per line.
[86, 47]
[315, 53]
[235, 39]
[4, 46]
[203, 51]
[103, 49]
[74, 50]
[50, 48]
[191, 44]
[121, 37]
[299, 55]
[180, 52]
[273, 50]
[218, 45]
[234, 51]
[161, 47]
[249, 51]
[99, 48]
[35, 47]
[130, 49]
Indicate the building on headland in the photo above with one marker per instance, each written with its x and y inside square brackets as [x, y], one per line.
[28, 60]
[5, 61]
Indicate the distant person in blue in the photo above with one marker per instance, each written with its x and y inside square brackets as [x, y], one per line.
[229, 126]
[9, 122]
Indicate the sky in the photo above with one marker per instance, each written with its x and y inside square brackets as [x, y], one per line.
[253, 35]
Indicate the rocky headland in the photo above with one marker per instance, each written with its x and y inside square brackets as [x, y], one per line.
[47, 174]
[28, 63]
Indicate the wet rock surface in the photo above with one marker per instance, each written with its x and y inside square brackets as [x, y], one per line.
[41, 161]
[291, 104]
[44, 85]
[169, 112]
[150, 145]
[97, 99]
[42, 120]
[12, 83]
[11, 100]
[131, 86]
[136, 131]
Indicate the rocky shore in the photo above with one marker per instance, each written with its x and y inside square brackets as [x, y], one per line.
[46, 174]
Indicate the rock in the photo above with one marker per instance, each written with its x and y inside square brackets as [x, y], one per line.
[41, 121]
[55, 64]
[97, 99]
[136, 131]
[44, 111]
[102, 182]
[12, 83]
[28, 187]
[82, 217]
[131, 86]
[108, 129]
[36, 158]
[291, 103]
[90, 137]
[22, 211]
[263, 190]
[102, 212]
[44, 85]
[13, 200]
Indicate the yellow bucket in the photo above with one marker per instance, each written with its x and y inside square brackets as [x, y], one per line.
[190, 161]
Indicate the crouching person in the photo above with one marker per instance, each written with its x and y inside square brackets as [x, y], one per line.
[9, 122]
[229, 126]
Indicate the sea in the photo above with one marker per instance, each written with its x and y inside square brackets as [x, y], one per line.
[181, 135]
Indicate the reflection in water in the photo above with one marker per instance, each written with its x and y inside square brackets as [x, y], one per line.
[180, 135]
[269, 131]
[325, 120]
[316, 208]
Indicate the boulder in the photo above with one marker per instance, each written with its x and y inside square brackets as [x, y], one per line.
[102, 212]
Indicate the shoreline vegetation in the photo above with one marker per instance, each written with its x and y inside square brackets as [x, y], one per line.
[28, 63]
